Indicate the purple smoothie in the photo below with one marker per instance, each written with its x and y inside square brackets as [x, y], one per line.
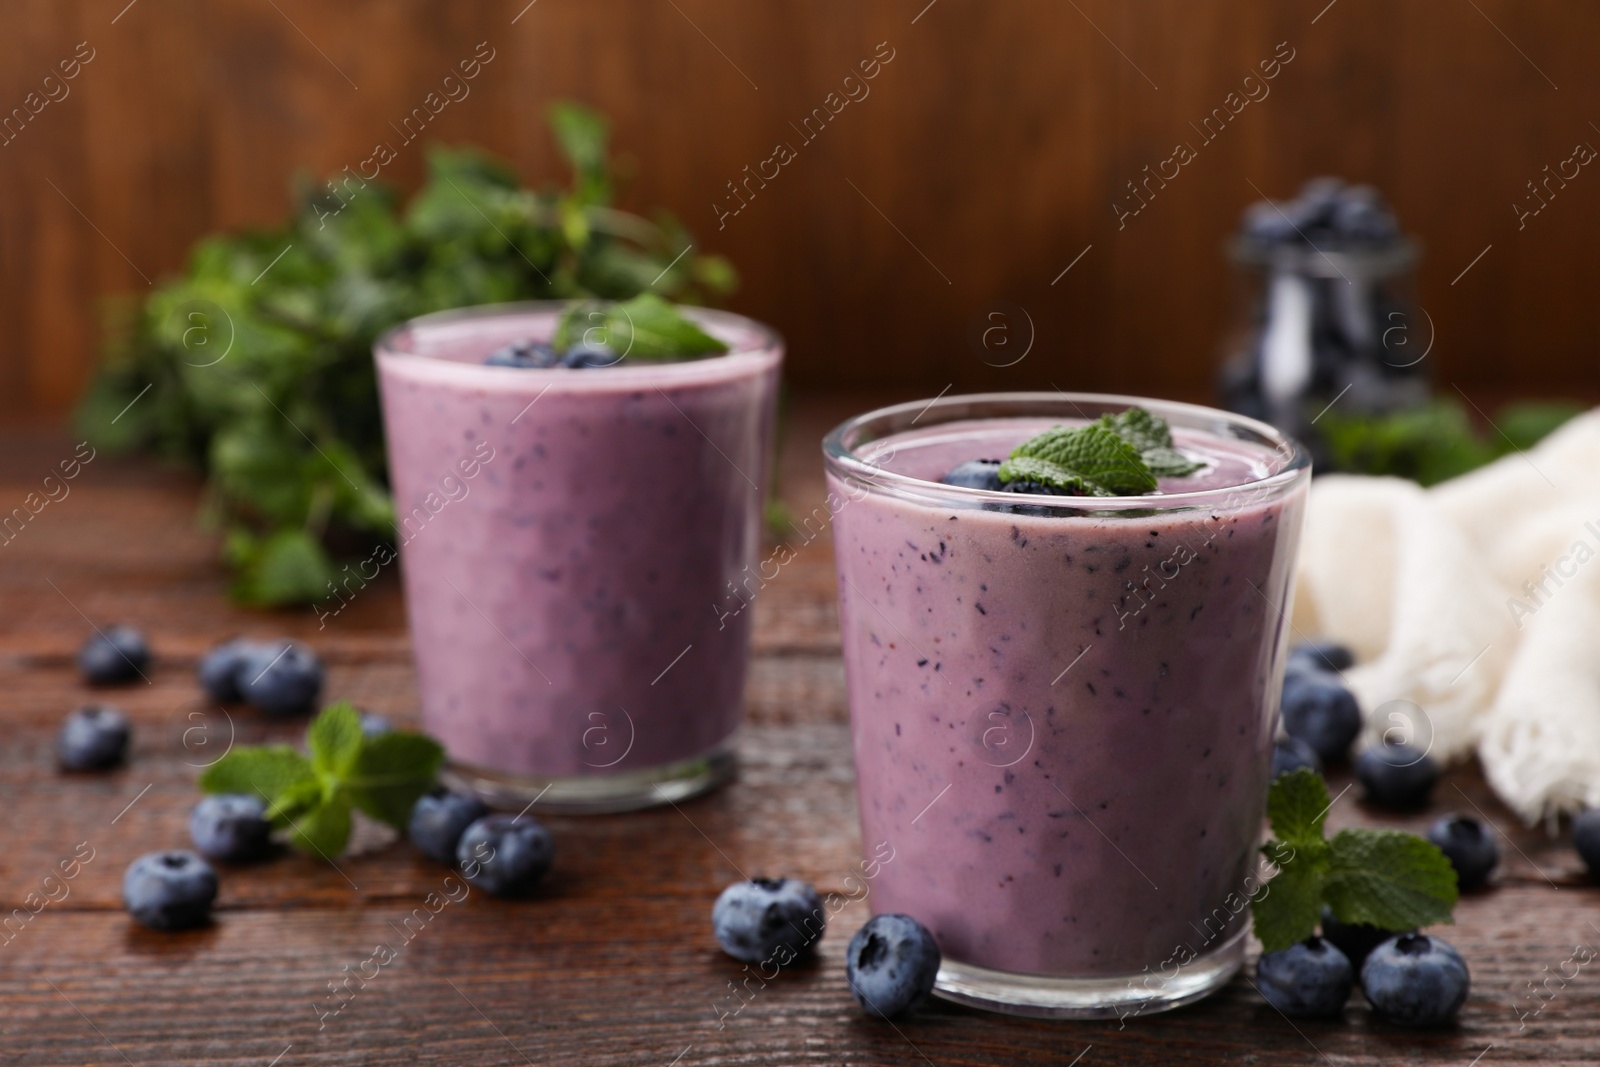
[1063, 722]
[564, 537]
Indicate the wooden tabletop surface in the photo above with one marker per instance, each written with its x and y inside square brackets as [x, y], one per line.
[613, 963]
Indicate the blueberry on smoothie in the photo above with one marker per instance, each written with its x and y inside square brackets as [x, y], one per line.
[114, 654]
[590, 355]
[218, 669]
[1319, 710]
[505, 855]
[438, 820]
[1291, 753]
[231, 826]
[1586, 839]
[169, 890]
[523, 354]
[1322, 656]
[756, 920]
[1415, 980]
[92, 738]
[891, 965]
[1470, 847]
[281, 678]
[1310, 980]
[1355, 940]
[975, 474]
[1397, 776]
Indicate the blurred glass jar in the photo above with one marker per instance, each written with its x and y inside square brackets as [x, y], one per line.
[1326, 313]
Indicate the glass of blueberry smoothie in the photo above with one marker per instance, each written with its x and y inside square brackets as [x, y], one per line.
[1063, 621]
[571, 505]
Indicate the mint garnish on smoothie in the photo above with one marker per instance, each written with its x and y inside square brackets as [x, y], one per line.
[643, 328]
[1116, 455]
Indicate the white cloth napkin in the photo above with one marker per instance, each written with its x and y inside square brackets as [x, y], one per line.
[1474, 612]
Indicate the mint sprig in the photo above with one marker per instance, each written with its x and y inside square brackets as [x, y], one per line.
[313, 798]
[1385, 878]
[1116, 455]
[643, 328]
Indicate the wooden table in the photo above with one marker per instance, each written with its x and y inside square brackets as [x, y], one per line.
[614, 962]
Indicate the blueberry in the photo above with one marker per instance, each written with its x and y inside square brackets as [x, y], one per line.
[1319, 710]
[504, 854]
[975, 474]
[439, 819]
[114, 654]
[1355, 940]
[93, 738]
[169, 890]
[1268, 223]
[1397, 776]
[522, 354]
[891, 965]
[756, 920]
[218, 669]
[281, 678]
[1415, 980]
[1361, 216]
[1470, 847]
[373, 724]
[1311, 980]
[1322, 656]
[1586, 839]
[1289, 753]
[587, 355]
[230, 826]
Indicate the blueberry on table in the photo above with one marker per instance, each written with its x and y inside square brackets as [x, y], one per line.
[975, 474]
[231, 826]
[113, 654]
[1319, 710]
[280, 678]
[891, 965]
[523, 354]
[1310, 980]
[1469, 846]
[169, 890]
[505, 855]
[589, 356]
[1291, 753]
[1586, 839]
[218, 670]
[438, 819]
[1397, 776]
[1415, 980]
[93, 738]
[755, 920]
[1355, 940]
[1321, 655]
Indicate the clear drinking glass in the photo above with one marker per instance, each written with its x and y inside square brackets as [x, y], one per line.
[567, 540]
[1063, 708]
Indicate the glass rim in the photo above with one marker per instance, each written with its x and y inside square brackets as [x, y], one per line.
[840, 456]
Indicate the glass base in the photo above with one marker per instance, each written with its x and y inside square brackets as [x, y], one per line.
[596, 794]
[1111, 997]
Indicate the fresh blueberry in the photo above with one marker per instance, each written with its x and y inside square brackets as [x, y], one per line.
[1397, 776]
[523, 354]
[1355, 940]
[504, 854]
[1268, 223]
[169, 890]
[280, 678]
[891, 964]
[975, 474]
[1361, 216]
[218, 670]
[1319, 710]
[373, 724]
[93, 738]
[439, 819]
[1322, 656]
[1586, 839]
[114, 654]
[587, 355]
[1415, 980]
[230, 826]
[1318, 200]
[1289, 753]
[1311, 980]
[1470, 847]
[757, 919]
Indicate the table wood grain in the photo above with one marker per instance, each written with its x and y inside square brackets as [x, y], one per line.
[613, 962]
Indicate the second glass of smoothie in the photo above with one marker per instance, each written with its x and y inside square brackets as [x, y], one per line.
[1063, 708]
[565, 537]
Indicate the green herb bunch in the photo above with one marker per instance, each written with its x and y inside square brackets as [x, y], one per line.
[1437, 441]
[256, 364]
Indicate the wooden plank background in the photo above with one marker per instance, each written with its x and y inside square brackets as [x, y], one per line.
[984, 160]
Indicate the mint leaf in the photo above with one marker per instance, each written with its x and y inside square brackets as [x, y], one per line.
[263, 770]
[644, 328]
[1297, 805]
[1390, 879]
[1092, 454]
[1029, 469]
[294, 803]
[335, 739]
[390, 772]
[324, 829]
[1287, 909]
[1150, 436]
